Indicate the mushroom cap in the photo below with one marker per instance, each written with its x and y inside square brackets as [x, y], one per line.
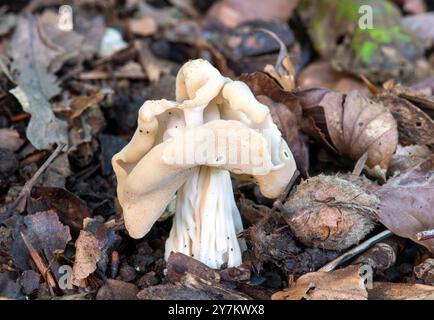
[171, 141]
[156, 177]
[197, 83]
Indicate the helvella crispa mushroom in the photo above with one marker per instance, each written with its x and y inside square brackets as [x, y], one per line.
[189, 147]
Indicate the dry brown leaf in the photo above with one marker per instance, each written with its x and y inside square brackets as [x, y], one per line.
[87, 255]
[342, 284]
[320, 74]
[406, 202]
[414, 125]
[93, 247]
[407, 157]
[351, 125]
[286, 112]
[117, 290]
[70, 209]
[231, 13]
[400, 291]
[144, 26]
[46, 233]
[10, 139]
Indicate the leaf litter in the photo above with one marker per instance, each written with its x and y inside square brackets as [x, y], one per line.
[356, 108]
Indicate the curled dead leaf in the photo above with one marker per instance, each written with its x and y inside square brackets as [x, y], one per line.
[351, 125]
[406, 202]
[414, 125]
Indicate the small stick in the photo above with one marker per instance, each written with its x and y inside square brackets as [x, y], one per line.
[278, 204]
[355, 251]
[360, 164]
[37, 259]
[20, 202]
[425, 235]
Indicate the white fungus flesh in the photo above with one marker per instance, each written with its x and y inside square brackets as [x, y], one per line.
[190, 147]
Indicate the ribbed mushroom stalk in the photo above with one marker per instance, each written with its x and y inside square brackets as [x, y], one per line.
[189, 147]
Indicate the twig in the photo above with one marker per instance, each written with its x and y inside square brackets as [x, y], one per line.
[355, 251]
[372, 88]
[425, 235]
[39, 262]
[20, 202]
[278, 204]
[360, 164]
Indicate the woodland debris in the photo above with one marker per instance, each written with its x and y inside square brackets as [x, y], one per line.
[331, 212]
[400, 291]
[31, 61]
[425, 271]
[405, 206]
[351, 125]
[342, 284]
[355, 251]
[20, 202]
[117, 290]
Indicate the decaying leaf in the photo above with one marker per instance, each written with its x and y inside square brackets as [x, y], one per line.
[144, 26]
[407, 157]
[341, 284]
[400, 291]
[10, 139]
[36, 84]
[231, 13]
[351, 125]
[414, 125]
[320, 74]
[117, 290]
[46, 233]
[70, 208]
[87, 255]
[406, 202]
[93, 246]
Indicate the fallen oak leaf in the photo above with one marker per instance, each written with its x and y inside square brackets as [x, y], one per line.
[406, 202]
[36, 83]
[351, 125]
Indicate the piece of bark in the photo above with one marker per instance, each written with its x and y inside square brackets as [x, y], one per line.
[179, 264]
[117, 290]
[217, 290]
[400, 291]
[172, 292]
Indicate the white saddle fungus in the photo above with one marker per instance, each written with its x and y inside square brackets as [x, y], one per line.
[190, 147]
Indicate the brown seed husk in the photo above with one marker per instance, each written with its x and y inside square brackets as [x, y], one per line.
[331, 212]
